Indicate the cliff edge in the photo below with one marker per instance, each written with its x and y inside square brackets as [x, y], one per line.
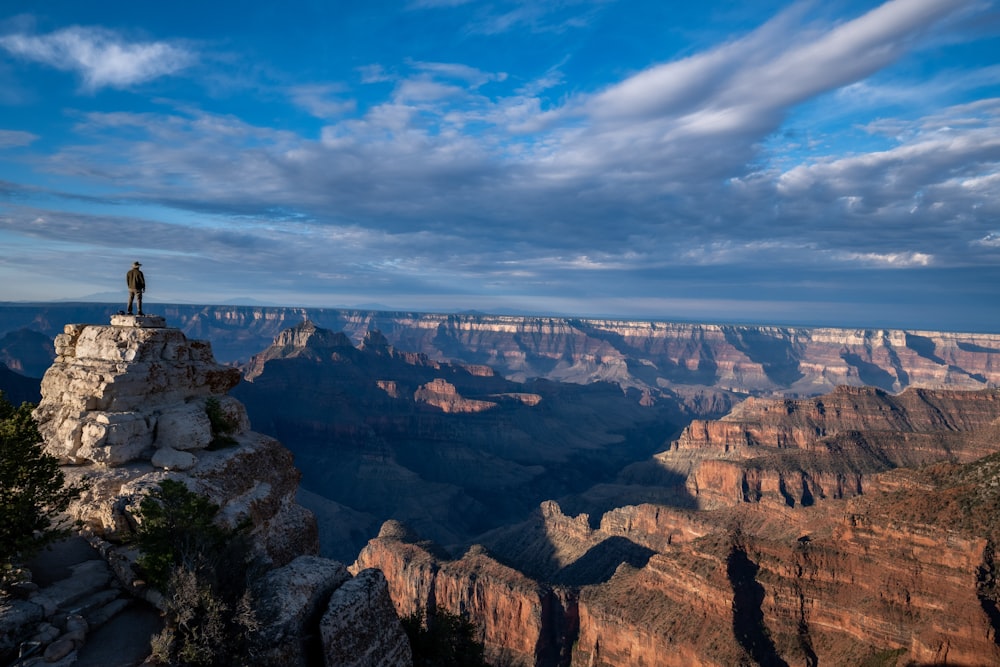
[134, 403]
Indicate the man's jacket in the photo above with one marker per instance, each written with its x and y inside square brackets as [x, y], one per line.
[136, 281]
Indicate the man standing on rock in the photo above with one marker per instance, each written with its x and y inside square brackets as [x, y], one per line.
[136, 286]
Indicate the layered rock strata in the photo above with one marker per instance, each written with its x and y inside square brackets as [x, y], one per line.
[651, 355]
[900, 569]
[799, 452]
[512, 612]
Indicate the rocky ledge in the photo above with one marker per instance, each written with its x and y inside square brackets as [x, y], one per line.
[128, 406]
[131, 404]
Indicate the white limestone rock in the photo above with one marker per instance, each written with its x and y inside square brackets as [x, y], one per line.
[148, 321]
[114, 438]
[171, 459]
[110, 385]
[183, 428]
[360, 627]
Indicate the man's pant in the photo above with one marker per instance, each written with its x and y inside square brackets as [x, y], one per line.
[134, 296]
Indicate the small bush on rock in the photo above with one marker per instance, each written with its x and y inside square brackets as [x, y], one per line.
[444, 640]
[222, 425]
[204, 571]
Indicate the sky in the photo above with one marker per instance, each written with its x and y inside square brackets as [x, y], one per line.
[827, 163]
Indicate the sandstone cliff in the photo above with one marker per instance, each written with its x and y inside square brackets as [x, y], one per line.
[519, 621]
[897, 567]
[799, 452]
[134, 403]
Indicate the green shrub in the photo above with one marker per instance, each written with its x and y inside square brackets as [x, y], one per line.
[444, 640]
[177, 527]
[204, 571]
[222, 425]
[33, 490]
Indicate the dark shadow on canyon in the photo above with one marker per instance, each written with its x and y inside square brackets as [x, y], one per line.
[748, 614]
[600, 562]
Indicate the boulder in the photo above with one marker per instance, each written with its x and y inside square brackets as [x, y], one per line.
[171, 459]
[360, 627]
[290, 600]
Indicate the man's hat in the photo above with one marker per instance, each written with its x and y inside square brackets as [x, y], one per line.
[136, 264]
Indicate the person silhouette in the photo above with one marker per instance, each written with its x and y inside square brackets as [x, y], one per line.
[136, 286]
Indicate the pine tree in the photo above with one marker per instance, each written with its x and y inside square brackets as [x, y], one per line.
[33, 490]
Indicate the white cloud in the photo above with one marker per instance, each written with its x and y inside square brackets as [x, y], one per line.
[101, 57]
[15, 138]
[322, 101]
[891, 260]
[374, 73]
[991, 240]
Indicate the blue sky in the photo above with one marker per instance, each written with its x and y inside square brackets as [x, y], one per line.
[827, 163]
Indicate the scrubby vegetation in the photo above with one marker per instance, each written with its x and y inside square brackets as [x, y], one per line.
[443, 640]
[204, 571]
[222, 425]
[33, 491]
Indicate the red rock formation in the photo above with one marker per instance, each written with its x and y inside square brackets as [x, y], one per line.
[442, 394]
[890, 565]
[802, 451]
[511, 612]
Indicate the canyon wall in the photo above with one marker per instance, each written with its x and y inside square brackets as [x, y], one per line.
[854, 528]
[648, 355]
[452, 450]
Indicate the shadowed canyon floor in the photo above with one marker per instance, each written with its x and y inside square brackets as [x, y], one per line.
[451, 450]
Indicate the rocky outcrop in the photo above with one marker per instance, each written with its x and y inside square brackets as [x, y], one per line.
[129, 405]
[305, 340]
[290, 602]
[513, 614]
[360, 627]
[442, 394]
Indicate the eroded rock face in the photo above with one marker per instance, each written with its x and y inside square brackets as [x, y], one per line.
[873, 540]
[360, 627]
[518, 620]
[442, 394]
[290, 602]
[127, 406]
[799, 452]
